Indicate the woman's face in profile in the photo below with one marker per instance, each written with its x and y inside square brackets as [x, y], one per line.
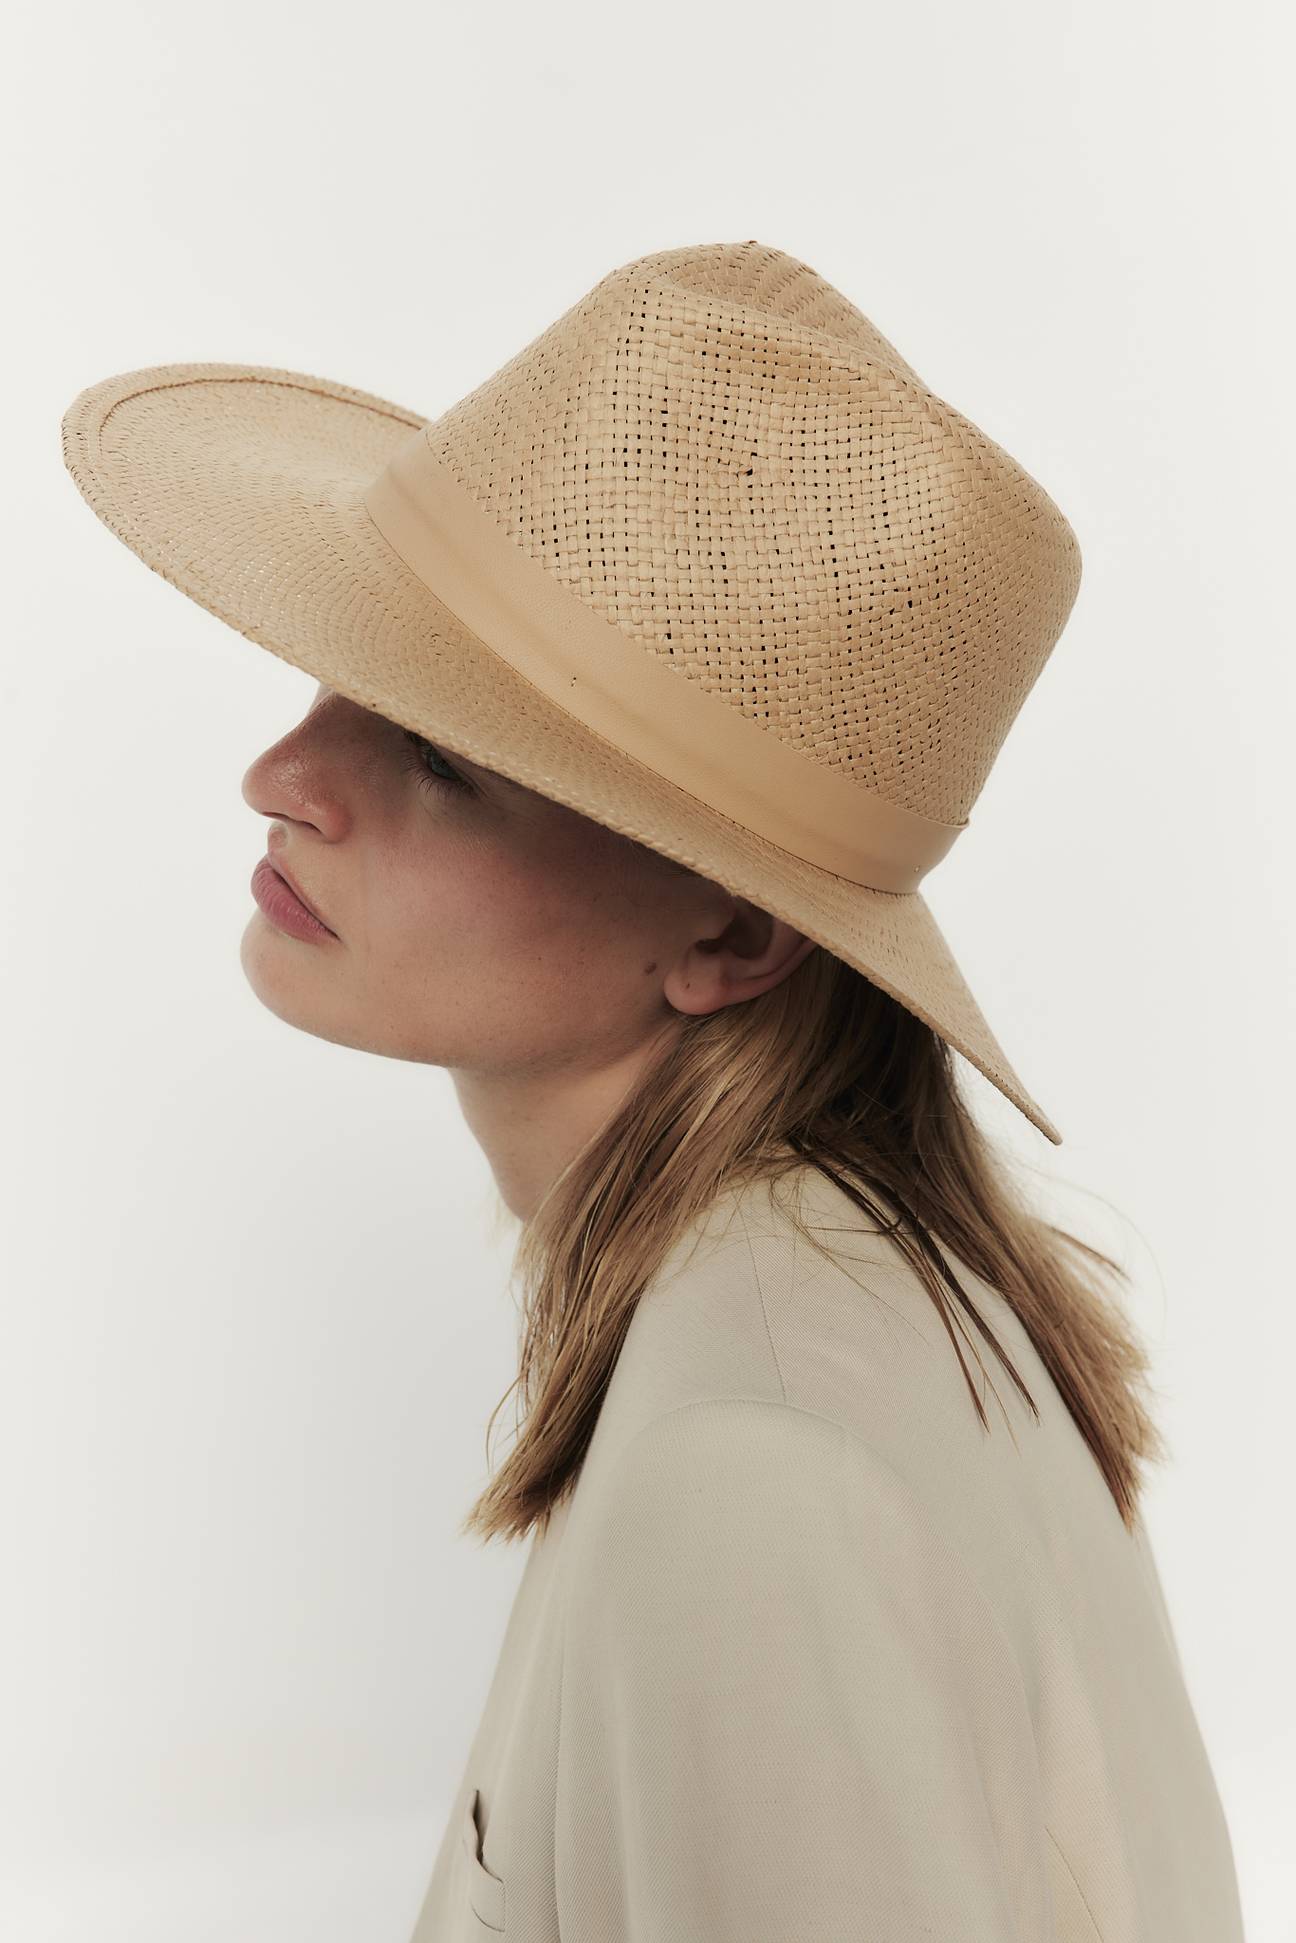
[477, 924]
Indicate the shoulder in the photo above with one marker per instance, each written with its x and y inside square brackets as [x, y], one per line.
[791, 1292]
[731, 1454]
[728, 1471]
[740, 1448]
[727, 1505]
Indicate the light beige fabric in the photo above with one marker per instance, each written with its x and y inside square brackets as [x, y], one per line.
[810, 1654]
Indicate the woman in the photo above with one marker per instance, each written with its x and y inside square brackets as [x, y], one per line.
[654, 676]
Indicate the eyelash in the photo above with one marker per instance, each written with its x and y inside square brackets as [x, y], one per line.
[429, 779]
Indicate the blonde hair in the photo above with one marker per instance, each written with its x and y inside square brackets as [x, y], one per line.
[827, 1068]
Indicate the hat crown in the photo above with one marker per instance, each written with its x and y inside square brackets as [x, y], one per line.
[722, 456]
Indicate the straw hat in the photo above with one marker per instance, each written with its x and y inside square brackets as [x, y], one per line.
[706, 561]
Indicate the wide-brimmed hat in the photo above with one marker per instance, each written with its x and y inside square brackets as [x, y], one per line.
[706, 561]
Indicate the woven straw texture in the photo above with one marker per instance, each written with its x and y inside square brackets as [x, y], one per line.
[719, 454]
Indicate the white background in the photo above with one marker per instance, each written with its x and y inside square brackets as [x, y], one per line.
[255, 1312]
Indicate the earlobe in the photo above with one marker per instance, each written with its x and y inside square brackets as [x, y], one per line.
[694, 989]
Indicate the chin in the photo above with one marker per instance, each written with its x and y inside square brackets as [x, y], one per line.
[278, 969]
[273, 965]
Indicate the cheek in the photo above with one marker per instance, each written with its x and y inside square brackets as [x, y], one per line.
[560, 915]
[444, 911]
[469, 908]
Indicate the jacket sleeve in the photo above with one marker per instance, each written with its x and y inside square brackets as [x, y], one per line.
[787, 1708]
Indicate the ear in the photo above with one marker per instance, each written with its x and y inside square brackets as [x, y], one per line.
[754, 953]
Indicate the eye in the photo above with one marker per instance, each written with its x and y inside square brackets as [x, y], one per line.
[430, 766]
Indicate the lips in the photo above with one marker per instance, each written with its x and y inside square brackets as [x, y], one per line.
[297, 892]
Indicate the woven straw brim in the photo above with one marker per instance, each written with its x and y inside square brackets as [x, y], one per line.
[243, 486]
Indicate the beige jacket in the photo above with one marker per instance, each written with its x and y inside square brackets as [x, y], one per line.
[810, 1656]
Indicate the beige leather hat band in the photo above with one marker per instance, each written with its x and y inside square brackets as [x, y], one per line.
[633, 697]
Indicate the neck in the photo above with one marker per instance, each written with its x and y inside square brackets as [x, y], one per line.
[530, 1126]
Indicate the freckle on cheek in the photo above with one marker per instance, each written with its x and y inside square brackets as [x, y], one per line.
[650, 968]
